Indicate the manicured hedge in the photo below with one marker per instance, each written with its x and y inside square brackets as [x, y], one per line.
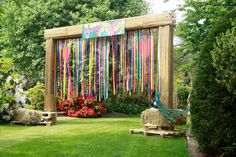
[213, 103]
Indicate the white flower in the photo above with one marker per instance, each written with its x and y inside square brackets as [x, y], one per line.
[9, 78]
[201, 21]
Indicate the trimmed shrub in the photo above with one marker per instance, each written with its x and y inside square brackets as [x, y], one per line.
[125, 98]
[224, 60]
[213, 106]
[127, 104]
[183, 92]
[127, 108]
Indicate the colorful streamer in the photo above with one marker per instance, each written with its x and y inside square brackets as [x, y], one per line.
[130, 62]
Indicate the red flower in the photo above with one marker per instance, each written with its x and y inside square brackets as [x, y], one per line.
[81, 107]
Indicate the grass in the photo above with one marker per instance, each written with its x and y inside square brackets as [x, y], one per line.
[104, 137]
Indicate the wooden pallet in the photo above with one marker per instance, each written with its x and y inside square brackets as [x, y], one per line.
[156, 127]
[162, 133]
[21, 123]
[45, 123]
[47, 118]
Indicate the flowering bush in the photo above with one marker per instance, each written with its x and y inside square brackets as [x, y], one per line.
[12, 93]
[83, 107]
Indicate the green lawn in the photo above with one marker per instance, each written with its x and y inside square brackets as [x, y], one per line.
[104, 137]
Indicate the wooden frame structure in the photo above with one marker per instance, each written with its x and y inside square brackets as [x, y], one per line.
[164, 22]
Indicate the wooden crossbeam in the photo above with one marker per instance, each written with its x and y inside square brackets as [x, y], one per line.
[132, 23]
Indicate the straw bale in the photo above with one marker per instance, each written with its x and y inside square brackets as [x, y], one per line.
[154, 117]
[27, 116]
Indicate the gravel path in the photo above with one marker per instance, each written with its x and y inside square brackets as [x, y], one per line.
[193, 145]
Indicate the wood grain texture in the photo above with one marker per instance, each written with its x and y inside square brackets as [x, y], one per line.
[133, 23]
[166, 64]
[50, 76]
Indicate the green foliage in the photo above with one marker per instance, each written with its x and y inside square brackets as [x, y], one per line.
[125, 98]
[7, 98]
[229, 150]
[183, 92]
[212, 102]
[224, 59]
[22, 24]
[124, 103]
[127, 108]
[36, 95]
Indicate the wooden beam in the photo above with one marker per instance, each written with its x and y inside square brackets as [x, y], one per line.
[166, 64]
[50, 76]
[133, 23]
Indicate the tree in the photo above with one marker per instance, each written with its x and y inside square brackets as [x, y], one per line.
[22, 24]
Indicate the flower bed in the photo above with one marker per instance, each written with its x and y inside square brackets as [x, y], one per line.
[83, 107]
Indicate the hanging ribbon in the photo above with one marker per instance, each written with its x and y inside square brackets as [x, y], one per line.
[79, 64]
[113, 66]
[83, 65]
[124, 68]
[64, 66]
[95, 67]
[121, 60]
[90, 67]
[99, 71]
[128, 63]
[83, 83]
[107, 67]
[61, 66]
[148, 62]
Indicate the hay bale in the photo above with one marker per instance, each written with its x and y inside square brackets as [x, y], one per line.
[27, 116]
[154, 117]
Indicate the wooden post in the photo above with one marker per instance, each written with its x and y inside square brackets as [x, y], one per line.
[166, 64]
[50, 75]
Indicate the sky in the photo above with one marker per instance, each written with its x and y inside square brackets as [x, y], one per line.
[158, 6]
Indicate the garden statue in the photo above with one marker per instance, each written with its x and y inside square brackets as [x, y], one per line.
[161, 116]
